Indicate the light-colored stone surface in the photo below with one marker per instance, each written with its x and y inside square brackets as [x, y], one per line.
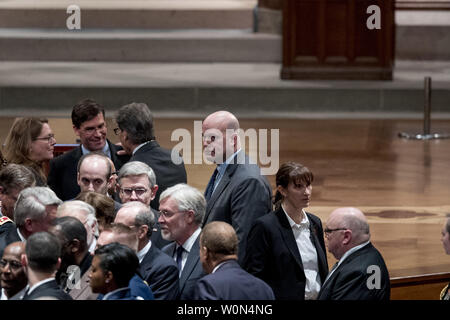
[197, 88]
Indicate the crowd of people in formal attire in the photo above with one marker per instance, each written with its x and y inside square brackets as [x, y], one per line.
[120, 222]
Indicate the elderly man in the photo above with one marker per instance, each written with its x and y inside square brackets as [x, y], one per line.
[86, 214]
[137, 182]
[182, 208]
[360, 273]
[127, 236]
[35, 209]
[13, 179]
[136, 133]
[12, 273]
[156, 267]
[236, 193]
[226, 280]
[88, 119]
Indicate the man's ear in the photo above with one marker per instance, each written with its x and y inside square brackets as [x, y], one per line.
[347, 236]
[109, 277]
[190, 216]
[76, 130]
[154, 189]
[142, 231]
[58, 264]
[29, 225]
[24, 260]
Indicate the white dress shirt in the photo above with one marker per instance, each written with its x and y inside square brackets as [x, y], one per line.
[308, 254]
[187, 246]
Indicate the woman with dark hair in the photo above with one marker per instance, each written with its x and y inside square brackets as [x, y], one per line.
[286, 248]
[112, 268]
[104, 207]
[30, 142]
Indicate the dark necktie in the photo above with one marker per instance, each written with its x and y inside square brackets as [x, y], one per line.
[179, 258]
[210, 187]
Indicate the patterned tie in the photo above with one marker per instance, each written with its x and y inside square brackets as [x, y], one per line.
[210, 187]
[179, 258]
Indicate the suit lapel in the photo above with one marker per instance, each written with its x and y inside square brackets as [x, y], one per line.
[224, 182]
[191, 262]
[288, 236]
[321, 255]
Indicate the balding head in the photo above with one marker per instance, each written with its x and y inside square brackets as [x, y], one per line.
[119, 233]
[220, 136]
[218, 242]
[347, 228]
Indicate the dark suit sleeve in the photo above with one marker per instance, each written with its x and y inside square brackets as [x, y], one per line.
[250, 200]
[165, 284]
[204, 291]
[352, 286]
[257, 251]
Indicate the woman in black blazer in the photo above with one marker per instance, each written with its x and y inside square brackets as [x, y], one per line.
[286, 248]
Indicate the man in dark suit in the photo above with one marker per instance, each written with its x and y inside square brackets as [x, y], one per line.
[42, 259]
[182, 209]
[226, 280]
[156, 267]
[34, 211]
[236, 193]
[75, 258]
[88, 119]
[136, 133]
[360, 273]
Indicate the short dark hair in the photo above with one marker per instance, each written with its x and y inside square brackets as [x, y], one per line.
[72, 228]
[120, 260]
[291, 172]
[42, 251]
[137, 120]
[86, 110]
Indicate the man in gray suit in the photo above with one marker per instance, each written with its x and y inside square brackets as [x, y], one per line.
[182, 208]
[237, 193]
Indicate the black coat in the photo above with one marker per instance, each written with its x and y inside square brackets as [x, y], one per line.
[351, 278]
[272, 254]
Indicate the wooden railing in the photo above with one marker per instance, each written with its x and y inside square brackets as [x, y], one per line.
[422, 4]
[421, 287]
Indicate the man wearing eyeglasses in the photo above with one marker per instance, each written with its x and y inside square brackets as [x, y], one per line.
[136, 134]
[137, 182]
[88, 119]
[360, 273]
[12, 274]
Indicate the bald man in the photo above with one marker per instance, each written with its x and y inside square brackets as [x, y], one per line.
[226, 280]
[127, 236]
[157, 268]
[12, 274]
[360, 273]
[237, 193]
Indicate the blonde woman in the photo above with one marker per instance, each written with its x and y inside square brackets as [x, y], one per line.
[30, 142]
